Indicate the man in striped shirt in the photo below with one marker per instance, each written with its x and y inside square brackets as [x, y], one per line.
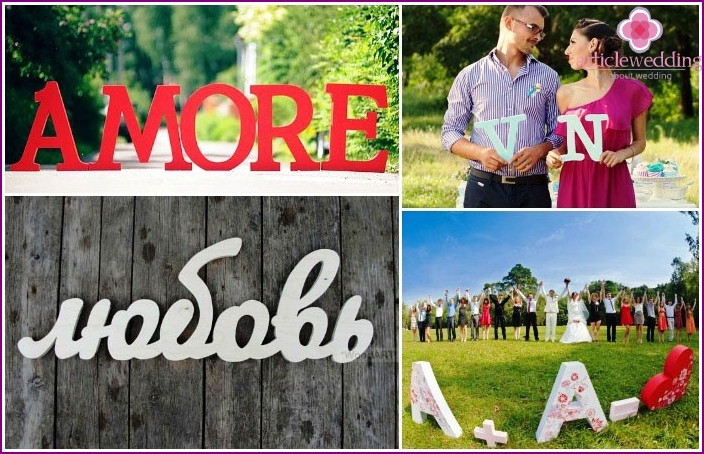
[506, 83]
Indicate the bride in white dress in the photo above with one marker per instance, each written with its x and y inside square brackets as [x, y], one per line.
[577, 315]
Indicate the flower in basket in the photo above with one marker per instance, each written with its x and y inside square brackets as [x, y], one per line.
[567, 280]
[670, 161]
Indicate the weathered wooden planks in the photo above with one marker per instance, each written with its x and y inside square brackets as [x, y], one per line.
[32, 258]
[124, 249]
[233, 390]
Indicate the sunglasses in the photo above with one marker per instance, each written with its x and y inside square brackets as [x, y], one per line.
[534, 29]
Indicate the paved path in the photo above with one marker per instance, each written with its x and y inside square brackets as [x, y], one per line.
[151, 178]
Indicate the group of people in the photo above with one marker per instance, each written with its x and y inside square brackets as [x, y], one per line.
[584, 321]
[510, 82]
[628, 310]
[475, 313]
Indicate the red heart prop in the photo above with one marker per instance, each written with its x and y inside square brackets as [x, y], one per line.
[670, 385]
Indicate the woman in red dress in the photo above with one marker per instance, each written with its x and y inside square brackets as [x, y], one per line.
[626, 318]
[679, 319]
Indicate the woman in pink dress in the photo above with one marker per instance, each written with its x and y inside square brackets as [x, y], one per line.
[485, 320]
[606, 182]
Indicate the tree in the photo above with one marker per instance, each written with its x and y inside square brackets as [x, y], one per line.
[311, 46]
[203, 43]
[685, 273]
[421, 26]
[81, 38]
[693, 242]
[521, 276]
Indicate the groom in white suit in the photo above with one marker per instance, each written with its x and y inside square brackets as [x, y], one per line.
[551, 310]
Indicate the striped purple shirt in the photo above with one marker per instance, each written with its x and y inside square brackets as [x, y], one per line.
[485, 91]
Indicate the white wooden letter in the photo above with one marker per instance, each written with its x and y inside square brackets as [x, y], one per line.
[61, 334]
[427, 399]
[572, 397]
[490, 127]
[140, 348]
[575, 126]
[622, 409]
[491, 435]
[292, 314]
[293, 311]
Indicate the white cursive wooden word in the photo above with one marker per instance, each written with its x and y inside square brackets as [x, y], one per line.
[292, 313]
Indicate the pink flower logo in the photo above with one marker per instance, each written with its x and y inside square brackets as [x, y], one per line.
[639, 29]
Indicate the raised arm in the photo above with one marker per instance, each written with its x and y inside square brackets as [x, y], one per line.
[523, 297]
[695, 305]
[541, 290]
[565, 291]
[618, 295]
[601, 292]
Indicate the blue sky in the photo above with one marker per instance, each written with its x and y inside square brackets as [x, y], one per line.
[446, 250]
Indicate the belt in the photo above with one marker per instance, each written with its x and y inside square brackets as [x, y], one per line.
[505, 179]
[671, 318]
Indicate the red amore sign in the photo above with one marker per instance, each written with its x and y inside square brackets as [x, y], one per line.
[668, 386]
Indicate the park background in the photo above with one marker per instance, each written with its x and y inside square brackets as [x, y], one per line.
[142, 46]
[510, 381]
[438, 41]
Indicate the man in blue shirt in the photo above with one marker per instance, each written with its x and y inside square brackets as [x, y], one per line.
[506, 83]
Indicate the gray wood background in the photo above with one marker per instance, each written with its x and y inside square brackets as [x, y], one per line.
[129, 248]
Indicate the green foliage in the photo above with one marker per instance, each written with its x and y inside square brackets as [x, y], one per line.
[82, 37]
[213, 127]
[463, 44]
[421, 26]
[425, 73]
[521, 276]
[474, 30]
[312, 46]
[510, 381]
[203, 43]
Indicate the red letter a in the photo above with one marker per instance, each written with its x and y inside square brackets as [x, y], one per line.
[50, 105]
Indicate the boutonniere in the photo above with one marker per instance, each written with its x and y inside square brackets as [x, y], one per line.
[534, 90]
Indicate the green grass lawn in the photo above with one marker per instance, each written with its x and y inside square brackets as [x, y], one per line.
[510, 382]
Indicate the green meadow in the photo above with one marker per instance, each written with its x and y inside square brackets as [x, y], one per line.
[509, 382]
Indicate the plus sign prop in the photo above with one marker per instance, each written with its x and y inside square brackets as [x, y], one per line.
[491, 435]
